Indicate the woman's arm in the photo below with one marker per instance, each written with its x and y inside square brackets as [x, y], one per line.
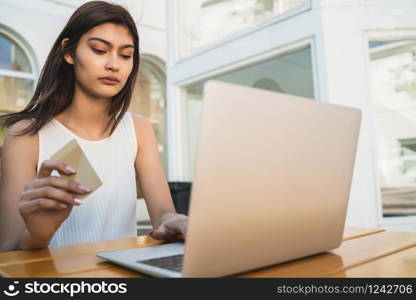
[32, 205]
[153, 183]
[19, 159]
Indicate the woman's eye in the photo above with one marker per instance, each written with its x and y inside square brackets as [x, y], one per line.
[102, 52]
[98, 51]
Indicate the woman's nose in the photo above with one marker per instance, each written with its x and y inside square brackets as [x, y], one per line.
[112, 64]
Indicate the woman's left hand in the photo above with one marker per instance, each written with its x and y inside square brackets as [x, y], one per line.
[172, 226]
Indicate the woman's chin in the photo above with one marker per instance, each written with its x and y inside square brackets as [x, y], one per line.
[106, 94]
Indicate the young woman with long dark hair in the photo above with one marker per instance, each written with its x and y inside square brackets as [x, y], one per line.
[84, 91]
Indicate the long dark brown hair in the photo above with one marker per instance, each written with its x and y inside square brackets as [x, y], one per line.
[55, 89]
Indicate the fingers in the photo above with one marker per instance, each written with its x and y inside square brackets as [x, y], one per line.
[177, 224]
[41, 204]
[163, 234]
[58, 182]
[49, 192]
[171, 229]
[49, 165]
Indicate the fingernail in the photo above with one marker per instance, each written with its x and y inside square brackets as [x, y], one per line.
[84, 188]
[70, 169]
[63, 206]
[78, 201]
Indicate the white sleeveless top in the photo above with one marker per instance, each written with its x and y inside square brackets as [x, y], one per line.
[110, 211]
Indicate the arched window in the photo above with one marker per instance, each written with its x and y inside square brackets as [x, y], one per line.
[17, 76]
[149, 99]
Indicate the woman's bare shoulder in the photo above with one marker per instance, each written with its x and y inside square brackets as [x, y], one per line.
[15, 128]
[140, 121]
[26, 143]
[142, 125]
[145, 134]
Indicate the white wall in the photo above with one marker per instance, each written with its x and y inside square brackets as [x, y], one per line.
[345, 25]
[346, 83]
[37, 25]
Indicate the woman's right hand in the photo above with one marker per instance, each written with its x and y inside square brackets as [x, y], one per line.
[48, 200]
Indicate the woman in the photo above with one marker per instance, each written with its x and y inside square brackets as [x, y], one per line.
[83, 92]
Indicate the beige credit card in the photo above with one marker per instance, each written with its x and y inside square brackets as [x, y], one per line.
[72, 155]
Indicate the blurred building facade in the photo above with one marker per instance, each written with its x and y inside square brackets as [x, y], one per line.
[359, 53]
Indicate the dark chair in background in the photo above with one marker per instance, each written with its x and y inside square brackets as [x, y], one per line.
[181, 192]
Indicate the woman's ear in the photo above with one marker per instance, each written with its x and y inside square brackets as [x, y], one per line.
[67, 56]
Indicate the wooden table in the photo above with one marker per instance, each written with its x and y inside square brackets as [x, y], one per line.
[364, 253]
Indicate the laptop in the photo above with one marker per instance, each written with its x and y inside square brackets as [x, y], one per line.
[272, 180]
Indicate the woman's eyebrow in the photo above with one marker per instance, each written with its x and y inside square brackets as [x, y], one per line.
[110, 44]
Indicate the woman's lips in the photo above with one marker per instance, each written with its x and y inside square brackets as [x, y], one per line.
[108, 81]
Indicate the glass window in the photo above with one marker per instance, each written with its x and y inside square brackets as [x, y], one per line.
[14, 92]
[393, 95]
[199, 23]
[291, 74]
[16, 77]
[408, 154]
[149, 101]
[12, 56]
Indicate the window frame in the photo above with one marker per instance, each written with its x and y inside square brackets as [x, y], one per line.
[19, 74]
[156, 66]
[175, 6]
[195, 67]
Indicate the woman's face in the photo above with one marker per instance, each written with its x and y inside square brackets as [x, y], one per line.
[103, 60]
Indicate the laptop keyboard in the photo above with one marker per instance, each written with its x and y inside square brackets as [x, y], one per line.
[173, 263]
